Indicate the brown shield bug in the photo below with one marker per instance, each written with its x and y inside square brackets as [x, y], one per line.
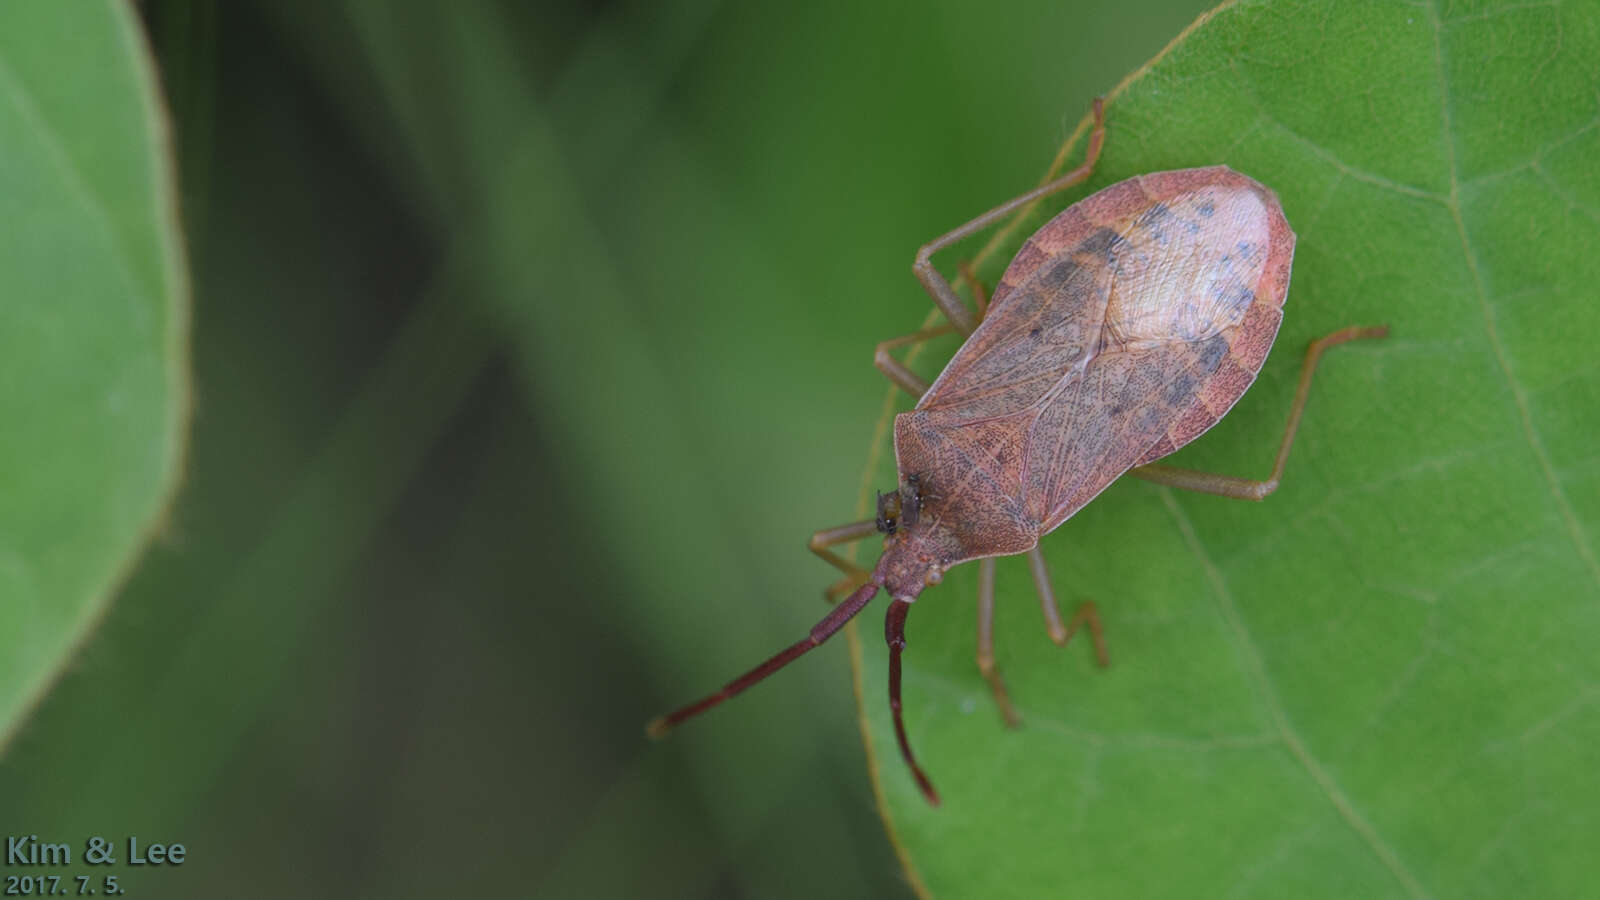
[1123, 329]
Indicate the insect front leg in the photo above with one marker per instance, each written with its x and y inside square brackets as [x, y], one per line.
[1247, 488]
[935, 283]
[854, 575]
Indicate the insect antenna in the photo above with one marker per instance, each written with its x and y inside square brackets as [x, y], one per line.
[820, 632]
[894, 631]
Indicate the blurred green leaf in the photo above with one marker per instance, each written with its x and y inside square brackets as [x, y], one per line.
[93, 352]
[1381, 681]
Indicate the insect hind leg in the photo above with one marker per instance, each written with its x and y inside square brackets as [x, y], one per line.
[1249, 488]
[1086, 613]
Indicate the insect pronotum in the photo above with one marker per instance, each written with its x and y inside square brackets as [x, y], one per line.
[1123, 329]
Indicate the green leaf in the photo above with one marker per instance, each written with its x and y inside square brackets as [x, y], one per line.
[1381, 681]
[93, 377]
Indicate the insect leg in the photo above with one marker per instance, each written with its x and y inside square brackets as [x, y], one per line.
[1087, 612]
[894, 631]
[854, 575]
[820, 632]
[897, 371]
[1047, 597]
[1246, 488]
[986, 642]
[900, 373]
[936, 284]
[980, 295]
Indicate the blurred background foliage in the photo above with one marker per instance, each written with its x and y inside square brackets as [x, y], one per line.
[530, 343]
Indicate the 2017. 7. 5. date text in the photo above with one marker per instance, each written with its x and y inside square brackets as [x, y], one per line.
[56, 886]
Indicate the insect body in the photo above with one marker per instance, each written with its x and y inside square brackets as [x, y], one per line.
[1123, 329]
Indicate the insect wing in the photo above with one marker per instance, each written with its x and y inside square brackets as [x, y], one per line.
[1123, 329]
[1200, 275]
[1093, 430]
[1037, 336]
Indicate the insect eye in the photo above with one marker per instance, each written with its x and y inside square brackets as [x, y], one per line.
[888, 512]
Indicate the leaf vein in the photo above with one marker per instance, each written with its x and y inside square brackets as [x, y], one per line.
[1274, 707]
[73, 176]
[1575, 532]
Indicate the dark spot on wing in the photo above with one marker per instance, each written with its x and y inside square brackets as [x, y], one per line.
[1180, 389]
[1102, 243]
[1033, 333]
[1058, 273]
[1239, 300]
[1211, 353]
[1155, 213]
[1207, 210]
[1150, 418]
[1154, 220]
